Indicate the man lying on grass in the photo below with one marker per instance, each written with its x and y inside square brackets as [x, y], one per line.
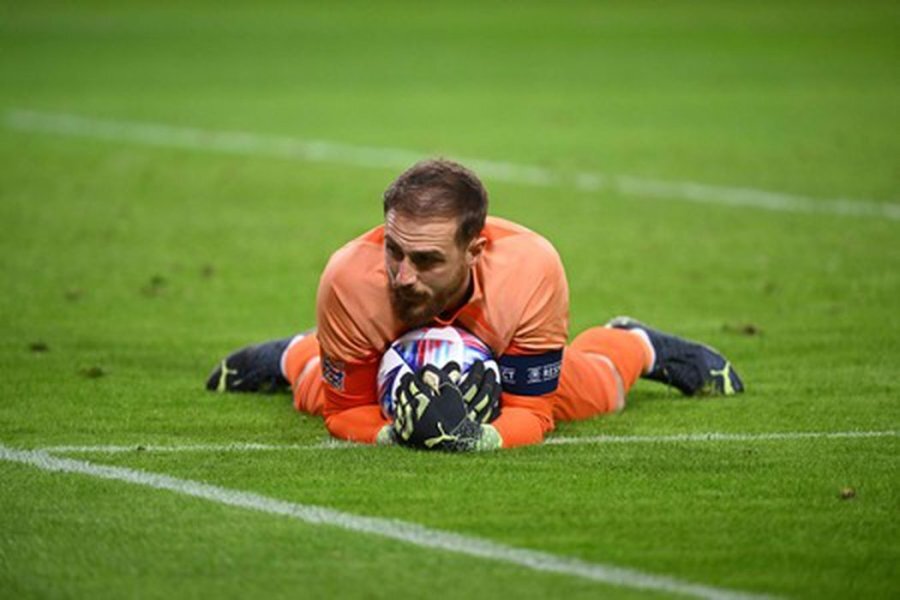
[438, 259]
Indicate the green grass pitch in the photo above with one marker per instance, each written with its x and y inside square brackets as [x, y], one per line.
[129, 268]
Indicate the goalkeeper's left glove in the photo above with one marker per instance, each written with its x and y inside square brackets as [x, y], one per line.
[479, 388]
[430, 414]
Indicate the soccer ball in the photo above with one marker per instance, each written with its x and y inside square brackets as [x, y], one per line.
[435, 346]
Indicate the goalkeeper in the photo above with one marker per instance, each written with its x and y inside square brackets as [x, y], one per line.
[439, 260]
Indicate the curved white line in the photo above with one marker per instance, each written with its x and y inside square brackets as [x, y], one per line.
[410, 533]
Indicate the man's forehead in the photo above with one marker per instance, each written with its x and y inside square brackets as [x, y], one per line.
[424, 232]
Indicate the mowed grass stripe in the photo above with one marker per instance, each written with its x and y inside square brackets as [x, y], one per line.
[247, 143]
[388, 528]
[332, 444]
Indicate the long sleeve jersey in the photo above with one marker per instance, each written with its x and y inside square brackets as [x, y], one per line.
[518, 306]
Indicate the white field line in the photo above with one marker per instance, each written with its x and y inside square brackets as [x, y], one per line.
[332, 444]
[252, 144]
[718, 437]
[388, 528]
[328, 444]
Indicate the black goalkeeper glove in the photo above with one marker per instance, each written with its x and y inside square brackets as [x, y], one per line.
[480, 390]
[430, 414]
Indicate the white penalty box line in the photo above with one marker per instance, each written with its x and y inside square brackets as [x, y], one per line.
[253, 144]
[333, 444]
[402, 531]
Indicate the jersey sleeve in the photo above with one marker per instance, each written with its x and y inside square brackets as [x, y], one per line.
[531, 365]
[544, 322]
[349, 364]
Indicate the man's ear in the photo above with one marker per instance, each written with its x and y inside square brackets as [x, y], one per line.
[474, 250]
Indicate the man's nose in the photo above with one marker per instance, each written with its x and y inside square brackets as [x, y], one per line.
[406, 273]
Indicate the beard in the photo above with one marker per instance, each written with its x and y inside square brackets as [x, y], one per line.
[417, 309]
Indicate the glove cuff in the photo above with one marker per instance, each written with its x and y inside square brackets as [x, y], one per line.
[386, 436]
[490, 439]
[472, 436]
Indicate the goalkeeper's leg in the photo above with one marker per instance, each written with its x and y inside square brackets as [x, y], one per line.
[300, 366]
[598, 369]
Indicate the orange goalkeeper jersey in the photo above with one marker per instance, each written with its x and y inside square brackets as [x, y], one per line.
[519, 307]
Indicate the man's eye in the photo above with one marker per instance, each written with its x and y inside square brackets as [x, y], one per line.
[395, 252]
[427, 262]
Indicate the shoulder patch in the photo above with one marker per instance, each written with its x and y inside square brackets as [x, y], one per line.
[334, 372]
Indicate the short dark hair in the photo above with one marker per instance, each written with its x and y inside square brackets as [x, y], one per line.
[440, 188]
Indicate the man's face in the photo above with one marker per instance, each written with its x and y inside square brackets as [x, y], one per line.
[427, 270]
